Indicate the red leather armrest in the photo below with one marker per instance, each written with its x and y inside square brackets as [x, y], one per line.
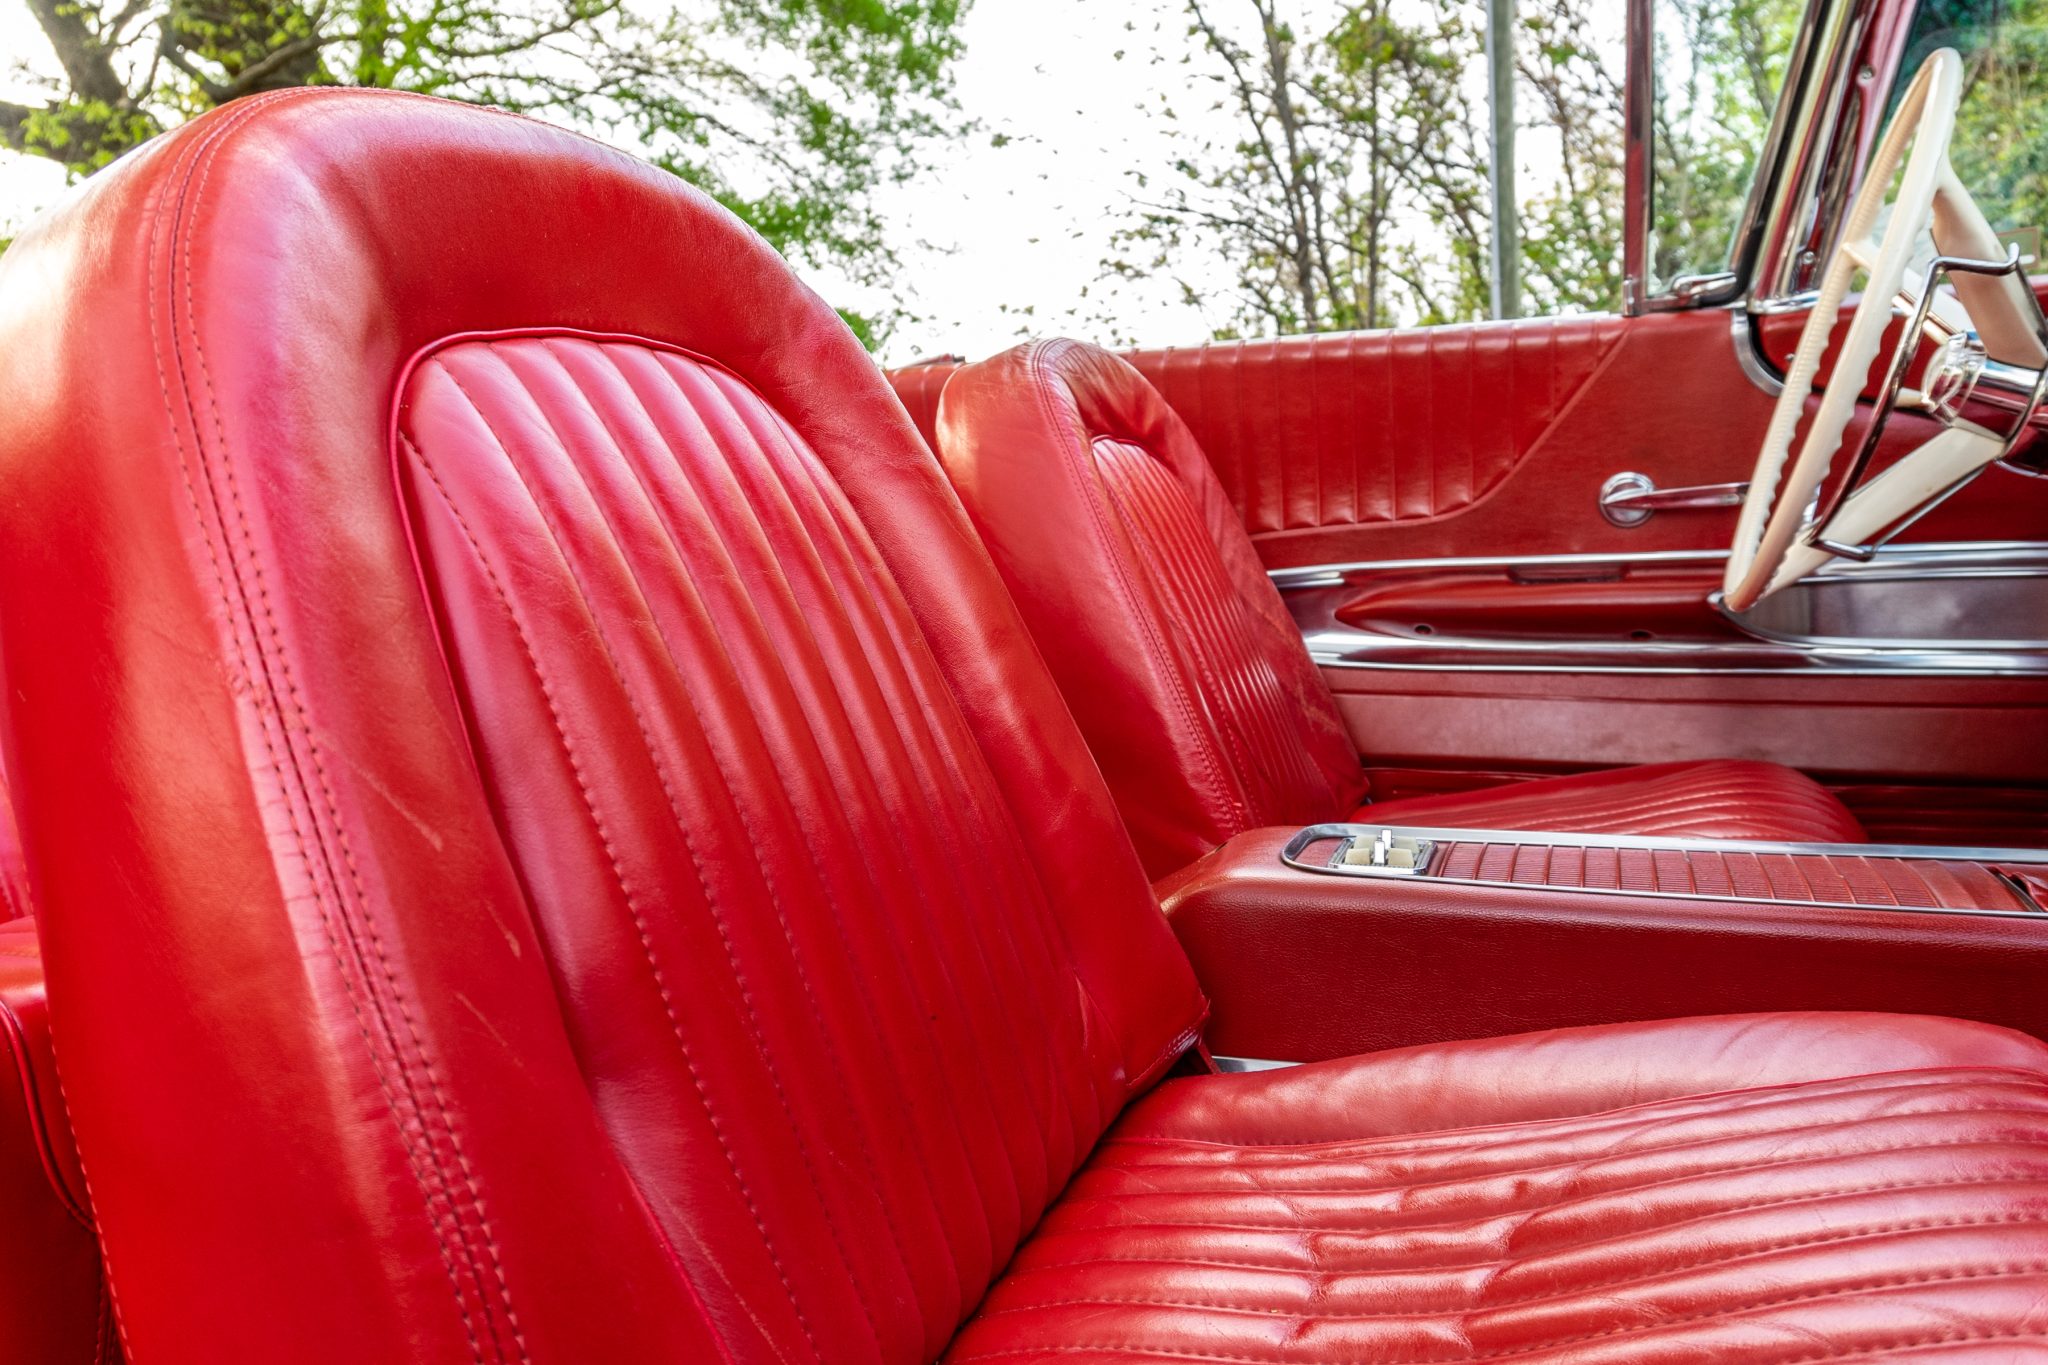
[1301, 967]
[51, 1309]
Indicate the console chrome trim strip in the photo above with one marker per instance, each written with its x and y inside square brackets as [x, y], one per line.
[1564, 838]
[1290, 854]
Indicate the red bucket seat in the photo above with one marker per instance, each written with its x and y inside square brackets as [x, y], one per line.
[555, 846]
[1180, 662]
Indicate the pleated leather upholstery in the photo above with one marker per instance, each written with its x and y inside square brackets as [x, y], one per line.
[1172, 647]
[1223, 639]
[562, 853]
[1717, 799]
[1416, 1209]
[1388, 427]
[753, 826]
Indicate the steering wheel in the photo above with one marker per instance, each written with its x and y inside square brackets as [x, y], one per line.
[1783, 534]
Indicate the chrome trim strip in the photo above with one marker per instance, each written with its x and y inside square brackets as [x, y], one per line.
[1639, 132]
[1321, 575]
[1290, 854]
[1311, 592]
[1237, 1065]
[1909, 557]
[1564, 838]
[1749, 356]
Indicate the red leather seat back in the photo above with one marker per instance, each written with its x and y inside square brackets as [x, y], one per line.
[1147, 598]
[585, 861]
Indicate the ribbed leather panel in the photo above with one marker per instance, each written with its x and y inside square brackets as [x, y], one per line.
[1836, 879]
[1721, 799]
[1221, 646]
[754, 833]
[1368, 427]
[1901, 1215]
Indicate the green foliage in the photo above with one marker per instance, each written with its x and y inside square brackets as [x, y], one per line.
[1719, 66]
[790, 112]
[1999, 150]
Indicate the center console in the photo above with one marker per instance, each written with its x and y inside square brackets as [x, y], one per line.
[1339, 939]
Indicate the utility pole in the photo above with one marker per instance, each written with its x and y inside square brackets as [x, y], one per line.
[1506, 291]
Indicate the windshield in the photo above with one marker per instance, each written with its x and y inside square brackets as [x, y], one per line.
[2001, 139]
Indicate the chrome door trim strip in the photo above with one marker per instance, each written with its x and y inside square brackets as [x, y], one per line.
[1749, 353]
[1990, 553]
[1313, 593]
[1291, 853]
[1329, 575]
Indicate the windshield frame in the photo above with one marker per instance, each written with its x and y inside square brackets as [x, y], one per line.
[1843, 61]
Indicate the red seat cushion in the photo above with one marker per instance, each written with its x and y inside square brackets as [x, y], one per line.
[1726, 799]
[1182, 665]
[1763, 1189]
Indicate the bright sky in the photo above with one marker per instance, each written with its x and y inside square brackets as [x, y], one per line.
[997, 243]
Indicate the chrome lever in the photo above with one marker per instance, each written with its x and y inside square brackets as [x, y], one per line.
[1629, 499]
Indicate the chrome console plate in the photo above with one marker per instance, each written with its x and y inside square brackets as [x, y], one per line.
[1935, 610]
[1294, 852]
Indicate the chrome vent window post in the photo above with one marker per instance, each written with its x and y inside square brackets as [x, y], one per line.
[1816, 55]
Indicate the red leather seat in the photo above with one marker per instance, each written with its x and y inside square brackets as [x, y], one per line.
[1563, 1197]
[53, 1309]
[554, 846]
[1183, 667]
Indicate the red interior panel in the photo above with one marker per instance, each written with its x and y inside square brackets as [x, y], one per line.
[1301, 966]
[1495, 439]
[1641, 603]
[1922, 732]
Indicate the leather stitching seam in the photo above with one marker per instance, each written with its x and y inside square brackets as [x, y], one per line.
[274, 665]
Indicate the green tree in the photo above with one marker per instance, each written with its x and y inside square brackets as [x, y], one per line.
[1719, 66]
[1998, 150]
[791, 112]
[1356, 192]
[1347, 140]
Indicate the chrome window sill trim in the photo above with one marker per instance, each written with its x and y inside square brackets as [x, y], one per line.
[1291, 853]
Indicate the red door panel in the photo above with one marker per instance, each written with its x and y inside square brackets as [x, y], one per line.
[1494, 439]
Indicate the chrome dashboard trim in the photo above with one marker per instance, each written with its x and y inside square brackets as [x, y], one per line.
[1291, 855]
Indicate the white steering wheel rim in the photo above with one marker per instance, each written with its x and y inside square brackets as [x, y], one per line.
[1768, 551]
